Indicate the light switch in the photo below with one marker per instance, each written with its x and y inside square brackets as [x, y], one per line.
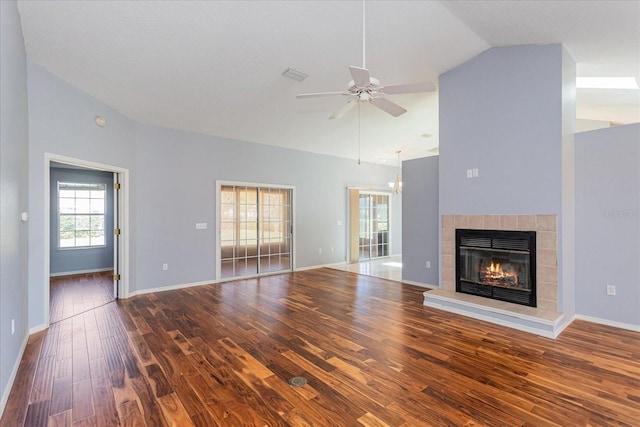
[201, 225]
[469, 173]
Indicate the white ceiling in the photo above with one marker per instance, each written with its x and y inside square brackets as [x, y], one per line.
[214, 67]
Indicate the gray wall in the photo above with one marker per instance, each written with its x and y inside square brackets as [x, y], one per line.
[177, 173]
[509, 113]
[173, 176]
[13, 193]
[608, 223]
[501, 112]
[420, 220]
[69, 261]
[62, 122]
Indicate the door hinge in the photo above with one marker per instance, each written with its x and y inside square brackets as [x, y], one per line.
[116, 277]
[116, 231]
[116, 185]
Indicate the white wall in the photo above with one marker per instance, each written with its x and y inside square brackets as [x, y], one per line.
[13, 195]
[608, 224]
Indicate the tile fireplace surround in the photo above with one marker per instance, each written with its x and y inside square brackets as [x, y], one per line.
[543, 319]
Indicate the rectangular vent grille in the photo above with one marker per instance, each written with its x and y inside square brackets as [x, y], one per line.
[511, 295]
[476, 242]
[516, 245]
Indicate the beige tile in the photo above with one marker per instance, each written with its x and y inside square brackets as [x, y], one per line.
[544, 304]
[547, 257]
[526, 222]
[447, 275]
[508, 222]
[491, 222]
[447, 221]
[547, 274]
[447, 262]
[448, 285]
[448, 235]
[461, 221]
[476, 222]
[546, 240]
[547, 291]
[448, 248]
[546, 222]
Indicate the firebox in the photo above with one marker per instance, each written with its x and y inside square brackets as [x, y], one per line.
[497, 264]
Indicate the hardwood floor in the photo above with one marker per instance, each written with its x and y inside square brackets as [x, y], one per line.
[70, 295]
[373, 355]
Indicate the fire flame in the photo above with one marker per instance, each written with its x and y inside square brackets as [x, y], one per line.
[496, 268]
[495, 271]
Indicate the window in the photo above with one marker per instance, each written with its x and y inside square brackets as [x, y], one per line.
[81, 209]
[255, 230]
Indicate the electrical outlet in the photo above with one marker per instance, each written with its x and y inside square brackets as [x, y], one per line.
[469, 173]
[165, 266]
[319, 250]
[611, 290]
[331, 250]
[474, 173]
[13, 326]
[428, 264]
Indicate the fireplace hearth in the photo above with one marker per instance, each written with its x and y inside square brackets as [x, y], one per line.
[497, 264]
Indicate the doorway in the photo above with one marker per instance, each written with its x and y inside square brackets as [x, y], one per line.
[373, 225]
[85, 239]
[255, 230]
[369, 224]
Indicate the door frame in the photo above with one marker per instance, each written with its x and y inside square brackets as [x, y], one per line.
[219, 185]
[122, 244]
[353, 223]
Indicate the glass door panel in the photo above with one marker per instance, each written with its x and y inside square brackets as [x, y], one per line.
[255, 230]
[374, 225]
[365, 226]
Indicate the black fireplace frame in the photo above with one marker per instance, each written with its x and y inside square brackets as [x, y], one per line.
[514, 296]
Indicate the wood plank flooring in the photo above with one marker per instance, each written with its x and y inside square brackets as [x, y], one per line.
[70, 295]
[373, 355]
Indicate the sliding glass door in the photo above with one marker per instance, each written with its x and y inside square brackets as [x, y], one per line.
[373, 225]
[255, 230]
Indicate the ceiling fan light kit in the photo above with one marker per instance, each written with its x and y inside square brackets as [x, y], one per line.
[364, 88]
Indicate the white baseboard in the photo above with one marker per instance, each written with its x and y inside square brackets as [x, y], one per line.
[38, 328]
[562, 324]
[621, 325]
[420, 284]
[12, 376]
[169, 288]
[313, 267]
[71, 273]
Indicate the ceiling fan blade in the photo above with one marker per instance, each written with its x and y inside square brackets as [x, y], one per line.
[409, 88]
[319, 94]
[390, 107]
[360, 76]
[344, 109]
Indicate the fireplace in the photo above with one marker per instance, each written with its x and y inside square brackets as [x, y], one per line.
[497, 264]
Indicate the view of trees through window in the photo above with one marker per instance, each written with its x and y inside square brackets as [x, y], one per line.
[81, 214]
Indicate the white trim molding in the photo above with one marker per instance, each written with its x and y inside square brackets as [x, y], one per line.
[12, 376]
[613, 323]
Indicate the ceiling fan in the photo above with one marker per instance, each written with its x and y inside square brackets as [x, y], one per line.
[364, 88]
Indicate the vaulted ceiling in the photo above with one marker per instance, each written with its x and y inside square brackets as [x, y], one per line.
[215, 67]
